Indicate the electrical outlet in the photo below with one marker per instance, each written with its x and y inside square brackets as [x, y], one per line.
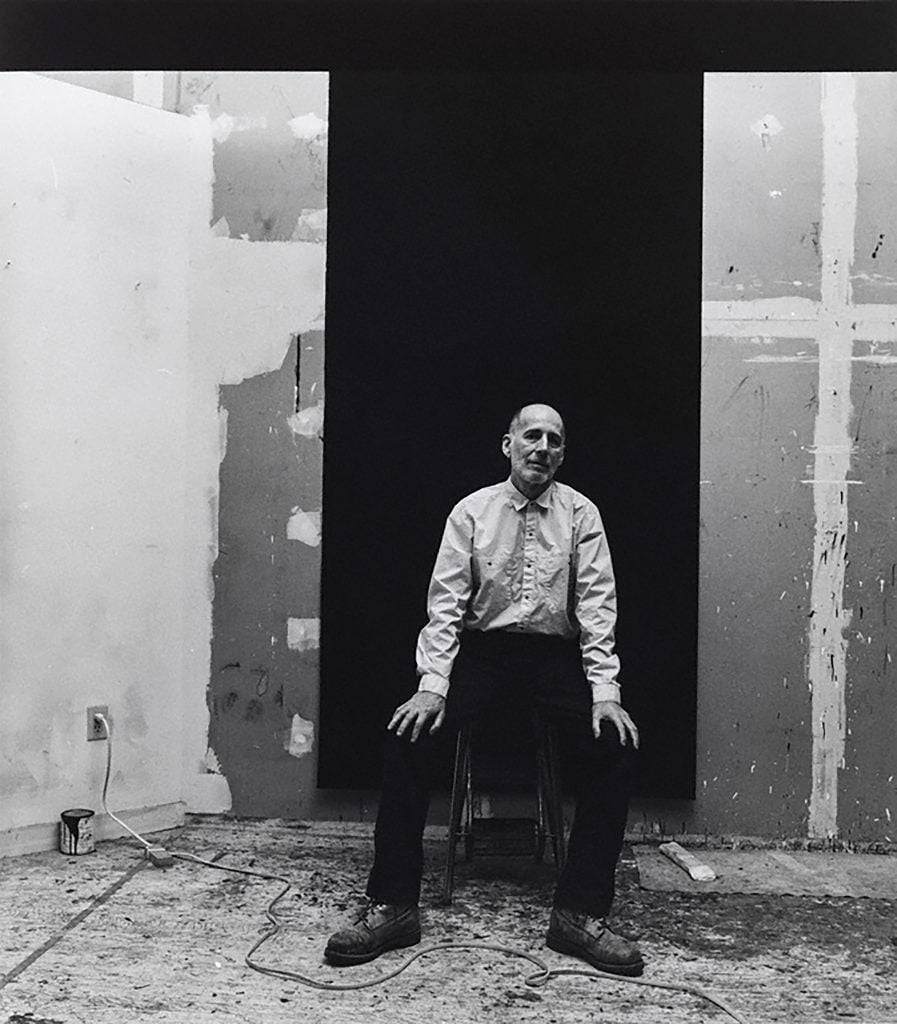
[96, 730]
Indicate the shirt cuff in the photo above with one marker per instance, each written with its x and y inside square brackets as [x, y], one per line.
[431, 683]
[605, 691]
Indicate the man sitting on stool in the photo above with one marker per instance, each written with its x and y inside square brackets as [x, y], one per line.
[522, 608]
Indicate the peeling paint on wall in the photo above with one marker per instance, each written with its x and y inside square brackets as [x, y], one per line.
[303, 634]
[299, 739]
[247, 304]
[224, 125]
[222, 434]
[307, 126]
[311, 226]
[252, 299]
[265, 664]
[308, 422]
[305, 527]
[270, 135]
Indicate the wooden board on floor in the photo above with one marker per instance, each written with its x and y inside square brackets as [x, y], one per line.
[798, 873]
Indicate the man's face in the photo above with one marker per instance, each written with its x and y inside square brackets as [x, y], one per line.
[535, 448]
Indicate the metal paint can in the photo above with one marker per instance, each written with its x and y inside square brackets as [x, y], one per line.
[76, 832]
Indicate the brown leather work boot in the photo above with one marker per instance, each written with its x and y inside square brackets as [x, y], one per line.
[590, 939]
[376, 928]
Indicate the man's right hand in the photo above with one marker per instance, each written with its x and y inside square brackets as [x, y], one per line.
[423, 708]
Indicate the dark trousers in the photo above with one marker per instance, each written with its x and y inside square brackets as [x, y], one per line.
[495, 672]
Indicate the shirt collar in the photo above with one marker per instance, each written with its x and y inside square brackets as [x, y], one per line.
[520, 501]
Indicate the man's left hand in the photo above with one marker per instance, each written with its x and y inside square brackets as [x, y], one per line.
[611, 711]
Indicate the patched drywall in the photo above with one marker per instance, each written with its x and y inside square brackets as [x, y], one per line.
[754, 749]
[252, 307]
[125, 310]
[796, 699]
[257, 326]
[264, 681]
[270, 132]
[196, 566]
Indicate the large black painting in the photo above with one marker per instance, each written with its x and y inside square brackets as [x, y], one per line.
[497, 239]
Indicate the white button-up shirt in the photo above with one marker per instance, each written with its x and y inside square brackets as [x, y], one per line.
[540, 566]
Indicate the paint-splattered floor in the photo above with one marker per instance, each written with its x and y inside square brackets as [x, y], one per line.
[169, 945]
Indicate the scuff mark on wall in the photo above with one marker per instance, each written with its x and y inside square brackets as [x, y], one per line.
[833, 446]
[305, 527]
[303, 634]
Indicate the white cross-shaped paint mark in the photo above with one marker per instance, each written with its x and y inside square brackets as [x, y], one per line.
[836, 323]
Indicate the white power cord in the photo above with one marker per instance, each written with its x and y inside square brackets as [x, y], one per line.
[161, 857]
[100, 717]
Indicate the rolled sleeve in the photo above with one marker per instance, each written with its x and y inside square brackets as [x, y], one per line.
[596, 607]
[447, 598]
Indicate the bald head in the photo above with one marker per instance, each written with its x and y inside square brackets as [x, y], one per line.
[534, 445]
[535, 411]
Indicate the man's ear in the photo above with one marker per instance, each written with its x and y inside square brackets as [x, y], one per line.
[506, 446]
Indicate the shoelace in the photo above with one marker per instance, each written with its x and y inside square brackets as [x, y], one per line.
[368, 908]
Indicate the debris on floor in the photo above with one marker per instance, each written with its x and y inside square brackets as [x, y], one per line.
[686, 860]
[108, 938]
[796, 873]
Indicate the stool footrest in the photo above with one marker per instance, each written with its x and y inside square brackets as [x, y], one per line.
[504, 837]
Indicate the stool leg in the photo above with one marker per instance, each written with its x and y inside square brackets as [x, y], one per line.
[542, 828]
[467, 829]
[456, 807]
[550, 797]
[555, 797]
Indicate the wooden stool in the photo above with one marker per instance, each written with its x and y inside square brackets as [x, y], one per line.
[549, 803]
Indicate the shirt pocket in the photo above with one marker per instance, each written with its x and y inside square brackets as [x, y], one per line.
[553, 580]
[497, 573]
